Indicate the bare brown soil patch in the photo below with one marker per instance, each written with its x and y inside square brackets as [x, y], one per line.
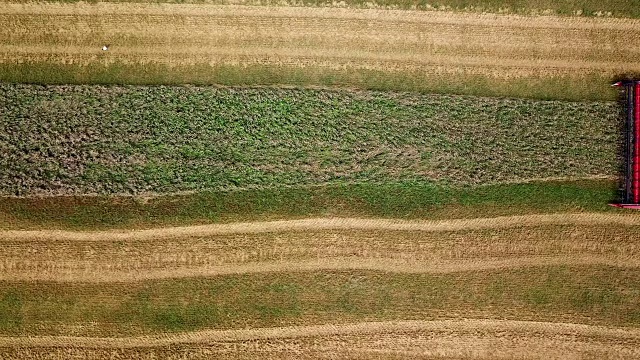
[501, 46]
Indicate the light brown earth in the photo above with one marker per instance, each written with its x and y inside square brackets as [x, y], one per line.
[321, 244]
[474, 339]
[499, 46]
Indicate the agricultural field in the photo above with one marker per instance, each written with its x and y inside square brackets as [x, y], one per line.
[70, 140]
[316, 180]
[477, 54]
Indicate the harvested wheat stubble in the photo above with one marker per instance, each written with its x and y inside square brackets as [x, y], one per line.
[504, 46]
[320, 244]
[477, 339]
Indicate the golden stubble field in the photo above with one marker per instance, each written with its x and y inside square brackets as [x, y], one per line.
[438, 339]
[443, 246]
[444, 43]
[508, 255]
[554, 286]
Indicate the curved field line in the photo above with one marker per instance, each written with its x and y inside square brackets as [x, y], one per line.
[551, 179]
[338, 263]
[469, 325]
[501, 222]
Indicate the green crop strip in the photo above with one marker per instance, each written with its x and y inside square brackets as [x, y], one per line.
[75, 140]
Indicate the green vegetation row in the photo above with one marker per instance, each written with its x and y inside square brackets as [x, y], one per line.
[617, 8]
[62, 140]
[392, 200]
[587, 86]
[592, 295]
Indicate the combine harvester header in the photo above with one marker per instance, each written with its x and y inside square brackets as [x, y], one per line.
[631, 197]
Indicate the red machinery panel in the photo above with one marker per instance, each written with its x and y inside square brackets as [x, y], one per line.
[631, 196]
[636, 149]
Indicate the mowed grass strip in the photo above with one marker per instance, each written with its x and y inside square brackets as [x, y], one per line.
[408, 200]
[576, 87]
[590, 295]
[75, 140]
[617, 8]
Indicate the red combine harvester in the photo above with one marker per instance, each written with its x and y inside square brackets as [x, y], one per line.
[631, 197]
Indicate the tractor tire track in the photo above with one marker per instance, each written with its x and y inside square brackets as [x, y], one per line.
[315, 224]
[333, 264]
[445, 246]
[372, 337]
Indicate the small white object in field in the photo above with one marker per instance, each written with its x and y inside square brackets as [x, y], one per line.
[105, 47]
